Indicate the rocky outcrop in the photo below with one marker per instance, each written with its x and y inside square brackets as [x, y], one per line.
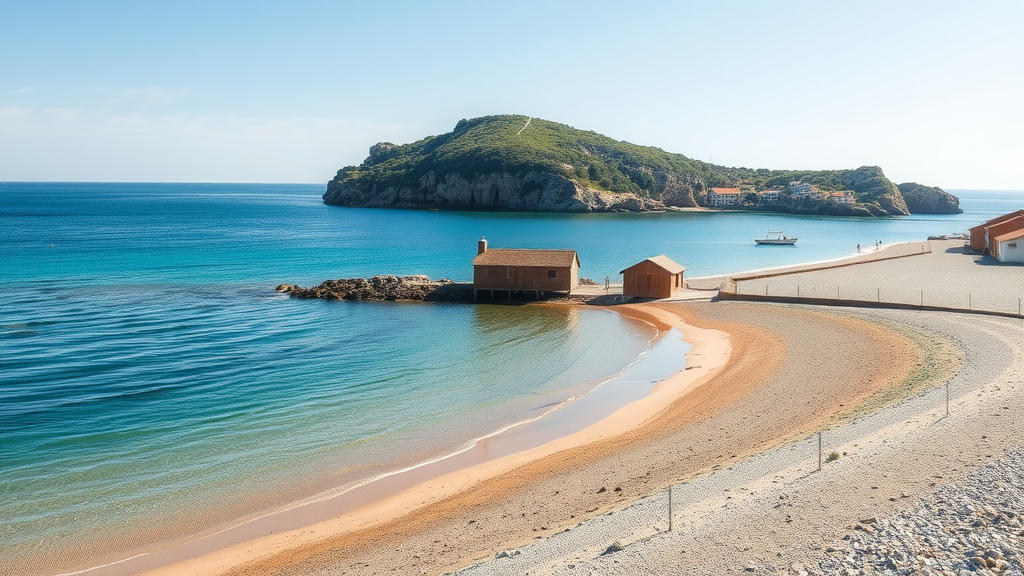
[922, 199]
[530, 192]
[872, 186]
[381, 288]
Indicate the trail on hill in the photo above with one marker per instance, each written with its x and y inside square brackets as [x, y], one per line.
[524, 126]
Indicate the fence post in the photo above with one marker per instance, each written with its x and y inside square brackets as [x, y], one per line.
[797, 290]
[837, 292]
[947, 397]
[878, 294]
[922, 298]
[970, 303]
[765, 289]
[819, 451]
[669, 507]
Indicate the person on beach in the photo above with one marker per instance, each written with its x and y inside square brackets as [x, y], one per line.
[858, 248]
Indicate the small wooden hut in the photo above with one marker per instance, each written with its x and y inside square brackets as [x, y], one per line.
[656, 277]
[520, 270]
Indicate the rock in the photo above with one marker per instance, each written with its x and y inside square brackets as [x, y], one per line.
[505, 191]
[611, 549]
[928, 199]
[502, 554]
[380, 288]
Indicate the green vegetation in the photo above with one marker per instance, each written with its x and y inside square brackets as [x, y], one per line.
[500, 144]
[554, 161]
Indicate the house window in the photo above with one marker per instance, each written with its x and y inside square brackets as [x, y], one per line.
[552, 274]
[1011, 245]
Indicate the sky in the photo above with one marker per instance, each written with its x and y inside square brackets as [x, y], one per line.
[227, 91]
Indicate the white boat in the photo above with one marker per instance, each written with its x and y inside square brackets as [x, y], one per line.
[776, 239]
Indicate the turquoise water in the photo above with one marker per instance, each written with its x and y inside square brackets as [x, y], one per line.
[152, 384]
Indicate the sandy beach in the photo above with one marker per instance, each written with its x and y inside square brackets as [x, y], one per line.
[703, 419]
[728, 433]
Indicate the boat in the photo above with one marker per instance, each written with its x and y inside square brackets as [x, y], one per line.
[776, 239]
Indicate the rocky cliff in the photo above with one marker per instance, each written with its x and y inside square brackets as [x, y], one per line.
[923, 199]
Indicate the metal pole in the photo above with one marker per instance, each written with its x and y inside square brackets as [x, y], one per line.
[819, 451]
[669, 507]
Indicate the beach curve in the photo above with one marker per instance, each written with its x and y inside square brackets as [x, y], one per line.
[514, 504]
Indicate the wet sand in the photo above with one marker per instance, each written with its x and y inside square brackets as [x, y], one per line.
[705, 418]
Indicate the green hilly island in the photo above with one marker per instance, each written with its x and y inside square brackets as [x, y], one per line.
[517, 163]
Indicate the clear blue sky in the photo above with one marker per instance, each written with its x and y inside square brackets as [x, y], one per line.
[291, 91]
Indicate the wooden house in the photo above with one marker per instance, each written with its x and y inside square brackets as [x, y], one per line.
[983, 234]
[656, 277]
[518, 270]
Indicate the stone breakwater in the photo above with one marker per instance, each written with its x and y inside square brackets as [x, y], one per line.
[384, 288]
[423, 289]
[974, 527]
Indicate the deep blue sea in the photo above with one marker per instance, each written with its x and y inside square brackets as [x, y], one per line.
[152, 383]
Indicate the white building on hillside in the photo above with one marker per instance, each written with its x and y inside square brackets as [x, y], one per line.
[719, 197]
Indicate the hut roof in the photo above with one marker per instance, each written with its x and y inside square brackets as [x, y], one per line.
[524, 257]
[664, 262]
[1000, 219]
[1012, 235]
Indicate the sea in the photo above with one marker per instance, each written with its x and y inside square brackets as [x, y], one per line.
[154, 386]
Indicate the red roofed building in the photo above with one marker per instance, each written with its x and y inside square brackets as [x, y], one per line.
[982, 236]
[1009, 247]
[718, 197]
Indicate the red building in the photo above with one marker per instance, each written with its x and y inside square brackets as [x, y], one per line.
[983, 235]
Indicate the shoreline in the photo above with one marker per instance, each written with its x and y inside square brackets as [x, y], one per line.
[709, 345]
[367, 501]
[695, 435]
[304, 529]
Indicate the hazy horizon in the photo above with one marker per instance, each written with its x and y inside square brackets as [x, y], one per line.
[232, 92]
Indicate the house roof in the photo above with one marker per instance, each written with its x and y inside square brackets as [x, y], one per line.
[999, 219]
[1012, 235]
[726, 190]
[524, 257]
[664, 262]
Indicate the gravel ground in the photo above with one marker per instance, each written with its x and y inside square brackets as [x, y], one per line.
[912, 491]
[973, 527]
